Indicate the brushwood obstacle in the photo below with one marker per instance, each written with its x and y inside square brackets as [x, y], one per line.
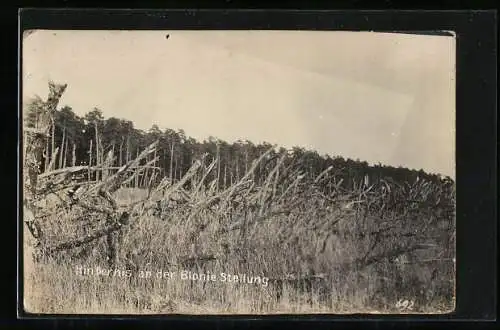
[70, 193]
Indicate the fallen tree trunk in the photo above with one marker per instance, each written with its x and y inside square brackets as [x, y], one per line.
[89, 238]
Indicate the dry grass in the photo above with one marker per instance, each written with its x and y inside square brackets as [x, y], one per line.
[366, 255]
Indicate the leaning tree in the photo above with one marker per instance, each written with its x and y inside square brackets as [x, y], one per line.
[36, 133]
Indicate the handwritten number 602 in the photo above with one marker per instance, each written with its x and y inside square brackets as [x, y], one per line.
[405, 304]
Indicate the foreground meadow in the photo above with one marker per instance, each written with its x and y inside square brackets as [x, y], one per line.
[283, 245]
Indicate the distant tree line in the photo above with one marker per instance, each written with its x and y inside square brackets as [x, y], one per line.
[87, 140]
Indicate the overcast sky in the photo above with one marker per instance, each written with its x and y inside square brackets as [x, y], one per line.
[379, 97]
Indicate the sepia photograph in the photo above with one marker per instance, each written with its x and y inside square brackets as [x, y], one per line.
[250, 172]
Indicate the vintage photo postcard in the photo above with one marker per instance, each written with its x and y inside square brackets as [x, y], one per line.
[238, 172]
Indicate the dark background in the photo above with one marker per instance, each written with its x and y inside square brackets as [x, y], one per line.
[476, 135]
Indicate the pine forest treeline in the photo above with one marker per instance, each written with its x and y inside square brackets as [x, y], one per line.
[86, 140]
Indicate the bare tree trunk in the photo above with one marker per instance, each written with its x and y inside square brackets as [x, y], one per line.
[90, 159]
[164, 165]
[73, 161]
[246, 161]
[61, 154]
[181, 165]
[137, 172]
[146, 172]
[237, 169]
[171, 162]
[97, 157]
[65, 152]
[47, 156]
[225, 173]
[101, 158]
[127, 153]
[53, 128]
[218, 166]
[145, 175]
[113, 152]
[175, 168]
[154, 163]
[112, 164]
[120, 164]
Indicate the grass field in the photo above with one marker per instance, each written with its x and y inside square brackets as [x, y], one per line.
[304, 250]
